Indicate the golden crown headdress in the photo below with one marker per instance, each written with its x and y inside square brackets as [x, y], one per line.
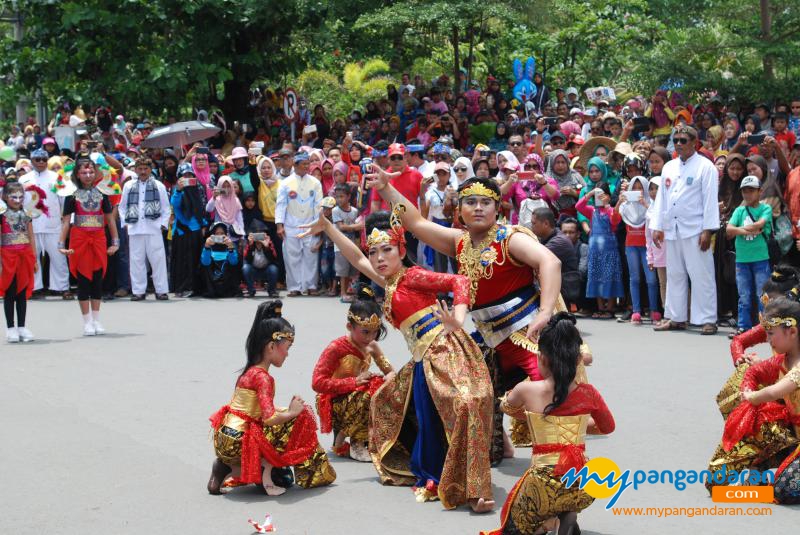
[283, 335]
[372, 322]
[478, 189]
[779, 322]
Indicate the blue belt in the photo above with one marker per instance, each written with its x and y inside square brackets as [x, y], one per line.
[419, 327]
[514, 314]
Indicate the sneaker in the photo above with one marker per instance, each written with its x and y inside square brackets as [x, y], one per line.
[89, 330]
[25, 335]
[636, 318]
[625, 317]
[98, 328]
[12, 335]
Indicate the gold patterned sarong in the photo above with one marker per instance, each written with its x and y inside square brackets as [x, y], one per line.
[351, 415]
[459, 384]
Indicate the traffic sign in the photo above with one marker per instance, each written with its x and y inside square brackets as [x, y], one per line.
[290, 103]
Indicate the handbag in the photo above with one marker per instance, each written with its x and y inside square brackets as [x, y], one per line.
[773, 248]
[571, 286]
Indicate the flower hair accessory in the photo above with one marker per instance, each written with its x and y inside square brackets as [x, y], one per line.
[283, 335]
[771, 323]
[372, 322]
[480, 190]
[395, 235]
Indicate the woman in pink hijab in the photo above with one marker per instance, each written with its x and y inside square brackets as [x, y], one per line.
[225, 206]
[201, 171]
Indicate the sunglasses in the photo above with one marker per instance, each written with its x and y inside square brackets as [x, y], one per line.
[516, 144]
[395, 158]
[460, 169]
[39, 159]
[201, 159]
[680, 140]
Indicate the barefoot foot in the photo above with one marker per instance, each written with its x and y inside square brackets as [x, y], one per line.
[481, 505]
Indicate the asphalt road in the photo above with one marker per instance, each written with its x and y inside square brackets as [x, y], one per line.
[110, 434]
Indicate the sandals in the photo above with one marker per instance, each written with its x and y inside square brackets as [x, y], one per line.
[709, 329]
[735, 333]
[293, 293]
[669, 325]
[602, 315]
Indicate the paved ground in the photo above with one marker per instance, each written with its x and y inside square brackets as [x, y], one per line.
[110, 435]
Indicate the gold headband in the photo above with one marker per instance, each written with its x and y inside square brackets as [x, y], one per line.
[377, 237]
[479, 189]
[283, 335]
[779, 322]
[373, 322]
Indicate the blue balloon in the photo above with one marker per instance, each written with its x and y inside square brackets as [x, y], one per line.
[524, 89]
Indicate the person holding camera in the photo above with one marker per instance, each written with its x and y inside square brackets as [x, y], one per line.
[219, 261]
[188, 206]
[260, 260]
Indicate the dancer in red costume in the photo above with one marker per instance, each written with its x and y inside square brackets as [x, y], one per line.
[251, 434]
[446, 385]
[88, 253]
[509, 305]
[560, 412]
[17, 261]
[343, 382]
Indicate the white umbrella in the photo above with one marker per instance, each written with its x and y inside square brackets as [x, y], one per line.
[179, 134]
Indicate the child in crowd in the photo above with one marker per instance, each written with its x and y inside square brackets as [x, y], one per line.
[794, 118]
[327, 252]
[346, 219]
[251, 434]
[219, 262]
[636, 249]
[780, 124]
[750, 223]
[226, 207]
[656, 256]
[17, 261]
[605, 268]
[260, 260]
[342, 379]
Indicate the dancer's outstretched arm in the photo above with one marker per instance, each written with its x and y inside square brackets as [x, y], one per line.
[346, 246]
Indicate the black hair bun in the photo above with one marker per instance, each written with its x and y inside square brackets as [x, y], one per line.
[783, 273]
[272, 309]
[565, 316]
[365, 292]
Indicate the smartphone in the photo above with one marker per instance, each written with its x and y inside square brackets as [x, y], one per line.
[598, 198]
[310, 129]
[526, 175]
[189, 182]
[216, 238]
[641, 122]
[485, 153]
[259, 236]
[348, 134]
[756, 139]
[550, 121]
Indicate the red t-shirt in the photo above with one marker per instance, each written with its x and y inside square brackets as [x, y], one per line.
[786, 136]
[407, 183]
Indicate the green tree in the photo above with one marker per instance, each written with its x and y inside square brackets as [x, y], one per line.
[155, 56]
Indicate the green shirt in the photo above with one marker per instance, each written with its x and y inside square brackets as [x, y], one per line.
[752, 248]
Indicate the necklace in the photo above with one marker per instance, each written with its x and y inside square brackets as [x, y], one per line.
[478, 262]
[391, 285]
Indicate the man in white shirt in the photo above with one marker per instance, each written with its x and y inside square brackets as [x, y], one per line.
[144, 211]
[687, 214]
[47, 227]
[299, 197]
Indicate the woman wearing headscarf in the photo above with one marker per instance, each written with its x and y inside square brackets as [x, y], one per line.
[732, 130]
[188, 207]
[540, 187]
[267, 198]
[730, 197]
[462, 167]
[201, 170]
[596, 172]
[500, 140]
[227, 208]
[661, 113]
[568, 181]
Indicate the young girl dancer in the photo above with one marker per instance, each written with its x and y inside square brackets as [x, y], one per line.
[771, 393]
[251, 434]
[446, 455]
[88, 253]
[17, 261]
[342, 379]
[560, 412]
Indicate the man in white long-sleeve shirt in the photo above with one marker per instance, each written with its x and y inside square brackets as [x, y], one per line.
[298, 200]
[144, 211]
[47, 227]
[687, 214]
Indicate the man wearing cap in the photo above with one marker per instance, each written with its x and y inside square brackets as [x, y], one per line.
[47, 226]
[573, 100]
[686, 216]
[284, 162]
[415, 157]
[298, 200]
[144, 211]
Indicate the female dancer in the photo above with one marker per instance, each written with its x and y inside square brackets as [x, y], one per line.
[88, 253]
[342, 379]
[446, 455]
[251, 434]
[771, 395]
[559, 412]
[17, 261]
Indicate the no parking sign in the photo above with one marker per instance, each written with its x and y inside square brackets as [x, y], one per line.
[290, 103]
